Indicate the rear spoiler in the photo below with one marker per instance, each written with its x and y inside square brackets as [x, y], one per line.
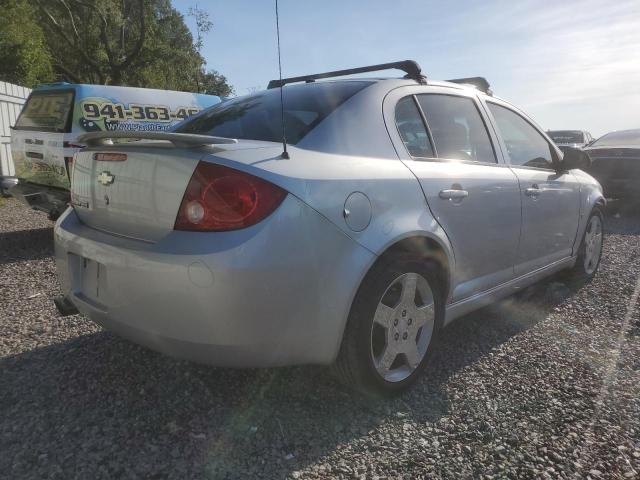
[185, 140]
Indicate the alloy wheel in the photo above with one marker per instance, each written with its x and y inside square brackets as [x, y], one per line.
[593, 245]
[402, 327]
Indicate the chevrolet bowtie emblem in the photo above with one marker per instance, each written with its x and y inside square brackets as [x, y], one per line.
[105, 178]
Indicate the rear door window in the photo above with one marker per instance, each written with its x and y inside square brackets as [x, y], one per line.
[525, 145]
[412, 129]
[259, 116]
[48, 111]
[457, 128]
[566, 136]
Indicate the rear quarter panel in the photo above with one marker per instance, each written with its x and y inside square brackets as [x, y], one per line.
[324, 181]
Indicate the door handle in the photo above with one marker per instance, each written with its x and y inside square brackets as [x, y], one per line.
[453, 194]
[532, 191]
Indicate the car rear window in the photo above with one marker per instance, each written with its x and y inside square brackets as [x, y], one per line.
[258, 116]
[48, 111]
[567, 136]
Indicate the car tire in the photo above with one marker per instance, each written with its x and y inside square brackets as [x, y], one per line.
[590, 252]
[383, 322]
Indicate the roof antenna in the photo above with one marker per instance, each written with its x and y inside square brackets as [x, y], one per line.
[285, 154]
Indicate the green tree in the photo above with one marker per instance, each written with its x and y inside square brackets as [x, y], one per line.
[214, 83]
[142, 43]
[169, 60]
[24, 56]
[203, 26]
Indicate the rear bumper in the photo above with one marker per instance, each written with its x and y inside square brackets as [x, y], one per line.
[41, 197]
[277, 293]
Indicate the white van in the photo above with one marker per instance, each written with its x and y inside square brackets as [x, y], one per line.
[43, 141]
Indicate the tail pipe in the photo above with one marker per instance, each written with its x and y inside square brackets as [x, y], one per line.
[65, 306]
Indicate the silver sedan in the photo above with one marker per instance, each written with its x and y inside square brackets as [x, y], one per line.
[400, 205]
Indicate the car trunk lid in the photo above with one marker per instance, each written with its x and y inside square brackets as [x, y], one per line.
[135, 189]
[138, 197]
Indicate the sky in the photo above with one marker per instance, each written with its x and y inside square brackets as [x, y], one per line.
[568, 64]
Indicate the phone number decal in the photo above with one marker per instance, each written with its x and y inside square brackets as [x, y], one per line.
[140, 113]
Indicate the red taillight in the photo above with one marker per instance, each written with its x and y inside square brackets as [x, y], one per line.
[220, 198]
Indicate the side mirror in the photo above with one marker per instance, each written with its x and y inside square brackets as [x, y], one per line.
[575, 158]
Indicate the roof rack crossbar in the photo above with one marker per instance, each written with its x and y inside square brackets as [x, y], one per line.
[410, 67]
[480, 83]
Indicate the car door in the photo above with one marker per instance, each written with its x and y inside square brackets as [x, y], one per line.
[550, 199]
[476, 200]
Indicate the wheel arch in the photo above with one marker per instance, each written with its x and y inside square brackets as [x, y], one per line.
[601, 203]
[429, 248]
[426, 245]
[591, 198]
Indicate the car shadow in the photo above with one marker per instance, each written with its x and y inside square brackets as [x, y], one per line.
[21, 245]
[115, 403]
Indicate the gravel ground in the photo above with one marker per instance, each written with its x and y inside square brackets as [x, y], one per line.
[543, 385]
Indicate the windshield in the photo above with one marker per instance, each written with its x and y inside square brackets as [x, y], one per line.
[47, 111]
[567, 136]
[259, 117]
[617, 139]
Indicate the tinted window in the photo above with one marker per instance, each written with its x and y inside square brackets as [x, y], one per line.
[619, 139]
[525, 145]
[46, 111]
[258, 116]
[567, 136]
[457, 128]
[412, 129]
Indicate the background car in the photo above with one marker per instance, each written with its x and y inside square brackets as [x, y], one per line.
[570, 138]
[396, 206]
[616, 163]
